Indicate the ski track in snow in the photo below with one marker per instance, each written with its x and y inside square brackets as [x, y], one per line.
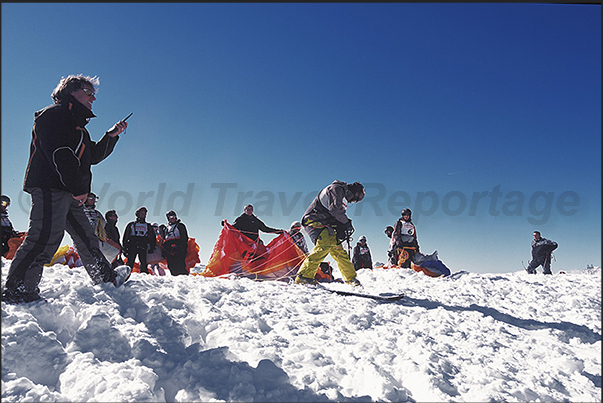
[466, 338]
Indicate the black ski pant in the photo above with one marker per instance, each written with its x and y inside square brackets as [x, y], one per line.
[177, 264]
[142, 258]
[545, 263]
[52, 213]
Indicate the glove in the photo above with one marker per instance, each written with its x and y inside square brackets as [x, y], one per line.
[343, 232]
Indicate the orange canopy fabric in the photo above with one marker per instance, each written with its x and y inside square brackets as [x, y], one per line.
[236, 254]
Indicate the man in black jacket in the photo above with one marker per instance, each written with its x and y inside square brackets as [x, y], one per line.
[112, 232]
[175, 244]
[361, 256]
[58, 178]
[542, 249]
[251, 226]
[139, 238]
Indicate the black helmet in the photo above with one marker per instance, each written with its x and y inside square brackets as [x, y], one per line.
[5, 200]
[407, 212]
[171, 213]
[141, 209]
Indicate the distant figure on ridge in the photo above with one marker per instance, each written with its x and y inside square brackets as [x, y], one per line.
[542, 249]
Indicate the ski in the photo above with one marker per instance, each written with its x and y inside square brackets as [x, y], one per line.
[380, 297]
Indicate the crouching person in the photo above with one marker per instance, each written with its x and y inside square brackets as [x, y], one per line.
[328, 226]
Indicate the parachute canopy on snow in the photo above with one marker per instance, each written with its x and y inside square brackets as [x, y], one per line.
[236, 254]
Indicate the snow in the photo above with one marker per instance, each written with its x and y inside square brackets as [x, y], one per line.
[468, 338]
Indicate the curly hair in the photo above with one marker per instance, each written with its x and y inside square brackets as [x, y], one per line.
[72, 83]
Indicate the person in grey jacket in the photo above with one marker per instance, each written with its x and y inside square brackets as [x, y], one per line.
[542, 249]
[58, 178]
[327, 225]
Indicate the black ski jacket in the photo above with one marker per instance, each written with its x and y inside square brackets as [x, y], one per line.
[144, 240]
[175, 240]
[251, 226]
[542, 249]
[61, 150]
[112, 232]
[360, 259]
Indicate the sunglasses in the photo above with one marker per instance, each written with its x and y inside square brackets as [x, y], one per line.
[88, 92]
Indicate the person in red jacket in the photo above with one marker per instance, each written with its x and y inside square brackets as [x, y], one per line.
[58, 178]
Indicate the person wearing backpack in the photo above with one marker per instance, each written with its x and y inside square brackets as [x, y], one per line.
[139, 237]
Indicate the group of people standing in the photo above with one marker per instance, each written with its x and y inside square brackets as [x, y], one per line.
[145, 241]
[58, 178]
[404, 245]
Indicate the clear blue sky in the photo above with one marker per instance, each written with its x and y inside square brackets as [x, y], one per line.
[484, 119]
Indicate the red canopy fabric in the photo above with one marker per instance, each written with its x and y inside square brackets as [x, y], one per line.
[236, 254]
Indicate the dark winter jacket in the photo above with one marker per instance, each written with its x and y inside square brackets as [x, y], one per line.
[542, 249]
[139, 235]
[361, 257]
[112, 232]
[61, 150]
[175, 240]
[251, 226]
[8, 232]
[329, 210]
